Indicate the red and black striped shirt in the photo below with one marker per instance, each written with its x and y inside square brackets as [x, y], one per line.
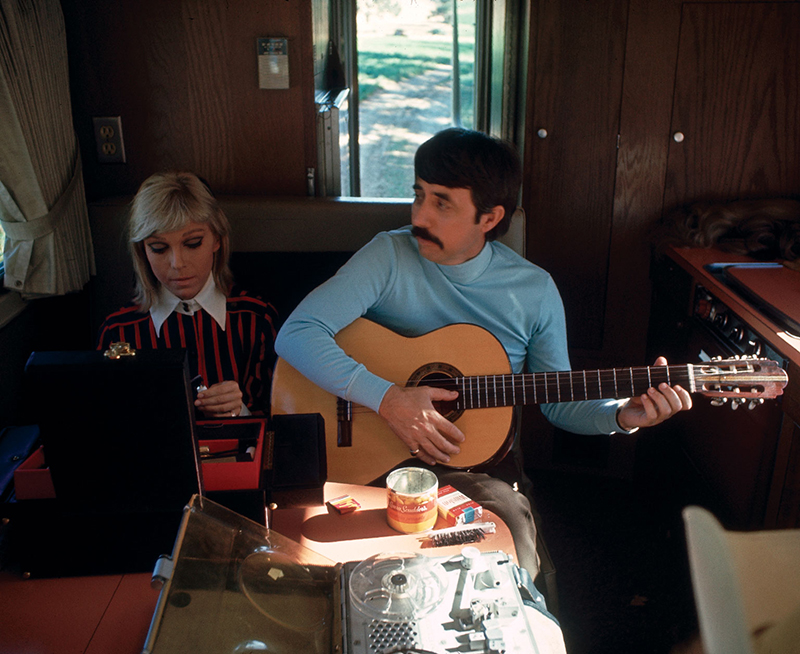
[243, 352]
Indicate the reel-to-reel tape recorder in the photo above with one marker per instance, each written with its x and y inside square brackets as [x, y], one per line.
[233, 586]
[400, 602]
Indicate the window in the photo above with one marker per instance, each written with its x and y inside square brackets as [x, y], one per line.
[413, 68]
[416, 72]
[2, 250]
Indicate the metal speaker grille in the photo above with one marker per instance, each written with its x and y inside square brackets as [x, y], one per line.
[384, 635]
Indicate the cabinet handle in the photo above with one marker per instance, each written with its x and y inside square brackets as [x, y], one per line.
[678, 137]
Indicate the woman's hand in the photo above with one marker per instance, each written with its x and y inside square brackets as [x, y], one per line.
[222, 400]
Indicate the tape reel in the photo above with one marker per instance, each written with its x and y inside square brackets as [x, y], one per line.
[397, 586]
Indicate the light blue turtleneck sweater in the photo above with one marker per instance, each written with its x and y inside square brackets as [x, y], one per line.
[388, 282]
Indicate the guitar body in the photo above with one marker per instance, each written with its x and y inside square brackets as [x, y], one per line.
[454, 350]
[470, 360]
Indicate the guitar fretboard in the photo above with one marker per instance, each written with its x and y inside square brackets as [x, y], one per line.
[486, 391]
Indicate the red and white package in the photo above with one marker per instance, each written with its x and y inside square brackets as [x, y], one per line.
[456, 508]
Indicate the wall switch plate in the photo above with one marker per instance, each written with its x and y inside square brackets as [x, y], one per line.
[108, 137]
[273, 63]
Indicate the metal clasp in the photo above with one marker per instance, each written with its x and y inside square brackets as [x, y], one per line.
[117, 350]
[162, 572]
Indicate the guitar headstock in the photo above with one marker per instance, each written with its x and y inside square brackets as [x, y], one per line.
[740, 379]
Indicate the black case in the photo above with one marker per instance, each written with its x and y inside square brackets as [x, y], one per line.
[299, 458]
[119, 439]
[16, 445]
[299, 461]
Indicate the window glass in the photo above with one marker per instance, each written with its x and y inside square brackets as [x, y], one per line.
[416, 76]
[2, 249]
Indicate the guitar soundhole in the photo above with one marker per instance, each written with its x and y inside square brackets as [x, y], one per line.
[441, 375]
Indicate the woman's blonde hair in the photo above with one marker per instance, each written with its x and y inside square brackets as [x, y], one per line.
[166, 202]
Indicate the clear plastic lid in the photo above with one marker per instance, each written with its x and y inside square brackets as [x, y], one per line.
[240, 587]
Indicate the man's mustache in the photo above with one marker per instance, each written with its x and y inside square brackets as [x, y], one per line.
[421, 232]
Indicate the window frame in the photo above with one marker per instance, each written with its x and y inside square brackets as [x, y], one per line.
[501, 58]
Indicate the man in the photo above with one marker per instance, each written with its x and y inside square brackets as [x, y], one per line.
[447, 268]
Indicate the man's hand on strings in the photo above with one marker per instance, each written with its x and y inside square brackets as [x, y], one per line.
[410, 414]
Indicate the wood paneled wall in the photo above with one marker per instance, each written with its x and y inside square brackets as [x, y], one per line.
[575, 86]
[647, 106]
[610, 81]
[183, 76]
[736, 103]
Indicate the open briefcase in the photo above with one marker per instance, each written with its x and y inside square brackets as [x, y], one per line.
[119, 439]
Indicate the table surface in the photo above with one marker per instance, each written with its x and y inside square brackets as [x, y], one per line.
[356, 536]
[111, 614]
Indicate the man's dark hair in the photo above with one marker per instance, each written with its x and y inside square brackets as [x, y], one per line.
[489, 167]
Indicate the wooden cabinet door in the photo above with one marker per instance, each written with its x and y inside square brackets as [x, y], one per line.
[735, 124]
[783, 507]
[575, 85]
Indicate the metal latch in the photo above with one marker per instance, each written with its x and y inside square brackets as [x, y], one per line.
[162, 572]
[117, 350]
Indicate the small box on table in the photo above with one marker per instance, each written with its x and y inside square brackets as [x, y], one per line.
[456, 508]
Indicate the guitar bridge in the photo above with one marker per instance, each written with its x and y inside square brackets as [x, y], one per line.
[344, 423]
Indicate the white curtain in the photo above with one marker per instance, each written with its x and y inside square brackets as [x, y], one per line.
[48, 248]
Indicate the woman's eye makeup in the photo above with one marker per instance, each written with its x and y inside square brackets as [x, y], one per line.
[157, 248]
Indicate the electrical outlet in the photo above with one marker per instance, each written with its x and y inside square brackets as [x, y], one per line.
[108, 137]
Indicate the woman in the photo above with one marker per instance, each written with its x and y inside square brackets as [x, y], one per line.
[184, 297]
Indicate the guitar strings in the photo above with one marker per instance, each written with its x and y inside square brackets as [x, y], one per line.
[599, 380]
[559, 381]
[607, 383]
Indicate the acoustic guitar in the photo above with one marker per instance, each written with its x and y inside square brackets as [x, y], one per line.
[469, 359]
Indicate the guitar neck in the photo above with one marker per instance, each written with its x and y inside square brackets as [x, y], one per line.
[485, 391]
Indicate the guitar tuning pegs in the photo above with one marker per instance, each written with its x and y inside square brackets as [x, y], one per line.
[736, 403]
[719, 401]
[756, 401]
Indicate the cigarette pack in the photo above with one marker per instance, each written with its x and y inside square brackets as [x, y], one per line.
[456, 508]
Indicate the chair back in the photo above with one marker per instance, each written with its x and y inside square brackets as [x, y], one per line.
[742, 581]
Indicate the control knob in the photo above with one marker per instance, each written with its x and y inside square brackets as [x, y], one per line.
[721, 320]
[704, 306]
[755, 347]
